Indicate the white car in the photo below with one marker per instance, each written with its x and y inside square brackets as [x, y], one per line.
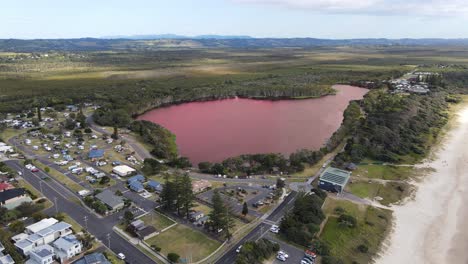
[281, 257]
[281, 252]
[274, 229]
[121, 256]
[239, 249]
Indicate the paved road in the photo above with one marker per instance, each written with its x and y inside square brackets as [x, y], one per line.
[260, 231]
[99, 227]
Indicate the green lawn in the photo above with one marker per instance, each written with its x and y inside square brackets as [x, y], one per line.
[75, 187]
[372, 227]
[383, 172]
[391, 192]
[157, 220]
[185, 241]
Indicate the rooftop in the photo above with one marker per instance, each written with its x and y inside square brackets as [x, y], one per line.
[44, 223]
[95, 258]
[43, 251]
[335, 176]
[10, 194]
[109, 198]
[66, 242]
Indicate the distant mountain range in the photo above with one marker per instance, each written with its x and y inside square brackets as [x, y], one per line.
[174, 36]
[155, 42]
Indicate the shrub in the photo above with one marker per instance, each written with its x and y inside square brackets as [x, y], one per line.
[363, 248]
[347, 220]
[173, 257]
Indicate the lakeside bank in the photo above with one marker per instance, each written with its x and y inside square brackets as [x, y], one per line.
[430, 227]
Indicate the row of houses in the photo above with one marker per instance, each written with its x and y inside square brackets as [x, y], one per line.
[48, 240]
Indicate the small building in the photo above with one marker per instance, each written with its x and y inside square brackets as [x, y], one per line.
[200, 185]
[41, 255]
[67, 247]
[112, 201]
[137, 225]
[334, 180]
[123, 170]
[155, 186]
[147, 232]
[94, 258]
[195, 216]
[139, 178]
[12, 198]
[136, 186]
[202, 221]
[5, 186]
[96, 154]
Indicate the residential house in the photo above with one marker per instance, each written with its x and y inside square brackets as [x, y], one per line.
[147, 232]
[136, 186]
[200, 185]
[5, 186]
[137, 225]
[195, 216]
[41, 255]
[138, 177]
[155, 186]
[12, 198]
[94, 258]
[112, 201]
[44, 223]
[6, 259]
[202, 221]
[43, 237]
[67, 247]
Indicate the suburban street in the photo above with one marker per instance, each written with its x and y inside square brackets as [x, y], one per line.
[66, 202]
[261, 230]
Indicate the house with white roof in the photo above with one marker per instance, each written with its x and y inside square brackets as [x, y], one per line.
[41, 255]
[67, 247]
[43, 237]
[5, 259]
[44, 223]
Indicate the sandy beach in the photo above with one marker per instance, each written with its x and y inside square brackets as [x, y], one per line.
[433, 227]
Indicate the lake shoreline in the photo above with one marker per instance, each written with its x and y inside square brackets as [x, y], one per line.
[226, 97]
[282, 123]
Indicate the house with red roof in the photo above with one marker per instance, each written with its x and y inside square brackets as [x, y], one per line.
[5, 186]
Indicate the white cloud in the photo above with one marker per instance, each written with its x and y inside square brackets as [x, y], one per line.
[378, 7]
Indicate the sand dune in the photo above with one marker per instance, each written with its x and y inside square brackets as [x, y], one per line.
[433, 228]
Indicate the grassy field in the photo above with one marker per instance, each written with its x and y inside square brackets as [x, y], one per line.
[185, 242]
[372, 226]
[157, 220]
[75, 187]
[385, 193]
[384, 172]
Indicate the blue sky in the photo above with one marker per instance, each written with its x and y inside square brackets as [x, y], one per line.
[258, 18]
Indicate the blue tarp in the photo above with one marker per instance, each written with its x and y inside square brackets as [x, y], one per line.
[96, 153]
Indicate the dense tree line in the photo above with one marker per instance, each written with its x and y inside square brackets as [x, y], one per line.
[395, 126]
[177, 195]
[301, 224]
[161, 139]
[257, 252]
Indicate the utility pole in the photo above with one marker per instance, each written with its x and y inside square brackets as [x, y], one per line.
[86, 222]
[56, 207]
[108, 240]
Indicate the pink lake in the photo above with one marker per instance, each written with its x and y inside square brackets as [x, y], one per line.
[215, 130]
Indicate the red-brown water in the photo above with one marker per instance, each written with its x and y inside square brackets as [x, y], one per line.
[215, 130]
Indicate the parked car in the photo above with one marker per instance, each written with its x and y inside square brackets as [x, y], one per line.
[34, 169]
[121, 256]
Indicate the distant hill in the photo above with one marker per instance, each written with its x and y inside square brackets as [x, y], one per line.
[207, 41]
[173, 36]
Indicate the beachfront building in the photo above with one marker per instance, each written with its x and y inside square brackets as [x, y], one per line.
[334, 180]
